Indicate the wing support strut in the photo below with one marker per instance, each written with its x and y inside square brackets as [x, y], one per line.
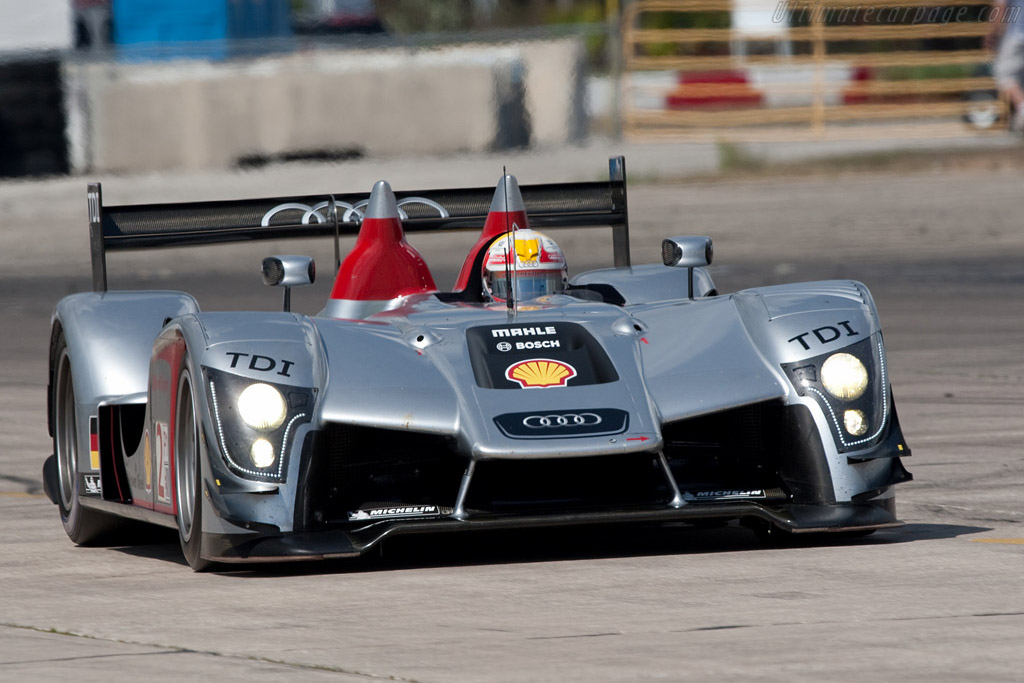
[460, 502]
[677, 498]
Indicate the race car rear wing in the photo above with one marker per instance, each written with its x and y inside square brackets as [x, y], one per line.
[557, 205]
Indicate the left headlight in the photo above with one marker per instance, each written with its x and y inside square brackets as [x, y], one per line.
[256, 422]
[852, 389]
[261, 406]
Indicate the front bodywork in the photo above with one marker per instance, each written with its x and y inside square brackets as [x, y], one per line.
[404, 423]
[640, 395]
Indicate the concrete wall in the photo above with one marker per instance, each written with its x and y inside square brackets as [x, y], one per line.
[556, 84]
[193, 115]
[35, 25]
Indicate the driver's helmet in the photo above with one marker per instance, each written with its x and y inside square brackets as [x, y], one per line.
[538, 267]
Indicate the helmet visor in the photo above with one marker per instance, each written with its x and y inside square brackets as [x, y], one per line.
[528, 286]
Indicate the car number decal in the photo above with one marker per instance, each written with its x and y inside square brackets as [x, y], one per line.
[147, 455]
[163, 449]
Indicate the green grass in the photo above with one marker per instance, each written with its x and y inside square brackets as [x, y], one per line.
[733, 158]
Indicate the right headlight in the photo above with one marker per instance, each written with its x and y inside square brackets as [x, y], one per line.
[255, 422]
[852, 389]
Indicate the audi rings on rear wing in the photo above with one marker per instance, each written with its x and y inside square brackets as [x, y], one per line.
[352, 211]
[140, 226]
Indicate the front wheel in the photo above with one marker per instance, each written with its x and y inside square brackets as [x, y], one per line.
[82, 525]
[188, 449]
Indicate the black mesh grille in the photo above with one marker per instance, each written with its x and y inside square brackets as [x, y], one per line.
[360, 467]
[273, 271]
[735, 450]
[668, 252]
[559, 485]
[736, 454]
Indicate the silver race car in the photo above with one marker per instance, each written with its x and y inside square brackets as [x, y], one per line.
[626, 394]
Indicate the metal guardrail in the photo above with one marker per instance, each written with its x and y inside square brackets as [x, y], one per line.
[918, 85]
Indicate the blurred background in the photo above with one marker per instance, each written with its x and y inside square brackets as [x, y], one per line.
[127, 86]
[812, 141]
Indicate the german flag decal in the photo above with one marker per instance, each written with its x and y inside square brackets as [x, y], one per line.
[94, 442]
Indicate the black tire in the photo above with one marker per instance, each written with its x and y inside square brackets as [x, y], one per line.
[82, 525]
[189, 451]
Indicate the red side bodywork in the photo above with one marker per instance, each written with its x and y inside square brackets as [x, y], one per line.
[169, 351]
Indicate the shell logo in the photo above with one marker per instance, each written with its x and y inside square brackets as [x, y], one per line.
[540, 373]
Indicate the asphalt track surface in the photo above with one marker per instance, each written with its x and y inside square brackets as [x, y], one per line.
[939, 599]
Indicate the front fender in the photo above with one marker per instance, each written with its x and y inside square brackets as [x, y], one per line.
[798, 321]
[797, 327]
[109, 338]
[277, 348]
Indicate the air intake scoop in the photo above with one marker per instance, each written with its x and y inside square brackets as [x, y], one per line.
[507, 212]
[382, 265]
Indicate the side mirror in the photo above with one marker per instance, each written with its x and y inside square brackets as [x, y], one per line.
[687, 252]
[288, 272]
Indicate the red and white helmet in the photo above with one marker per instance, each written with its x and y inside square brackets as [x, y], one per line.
[537, 266]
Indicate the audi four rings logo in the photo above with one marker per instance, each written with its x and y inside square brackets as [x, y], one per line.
[571, 424]
[562, 420]
[318, 212]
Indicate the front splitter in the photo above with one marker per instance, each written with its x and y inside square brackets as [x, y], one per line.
[357, 540]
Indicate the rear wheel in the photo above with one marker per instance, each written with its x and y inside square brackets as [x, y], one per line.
[188, 449]
[83, 526]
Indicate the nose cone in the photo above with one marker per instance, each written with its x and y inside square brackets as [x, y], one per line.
[382, 202]
[507, 196]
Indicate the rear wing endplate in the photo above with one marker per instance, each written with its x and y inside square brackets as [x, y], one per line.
[140, 226]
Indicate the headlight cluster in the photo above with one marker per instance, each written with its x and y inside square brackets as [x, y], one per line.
[256, 422]
[852, 388]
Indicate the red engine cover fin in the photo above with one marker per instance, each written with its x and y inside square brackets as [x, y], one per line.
[507, 209]
[382, 265]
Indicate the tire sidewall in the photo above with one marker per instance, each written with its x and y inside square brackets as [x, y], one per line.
[191, 547]
[82, 526]
[70, 515]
